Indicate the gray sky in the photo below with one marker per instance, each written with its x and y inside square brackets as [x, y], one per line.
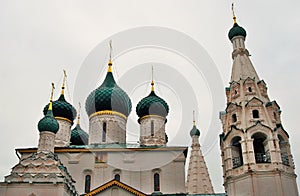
[41, 38]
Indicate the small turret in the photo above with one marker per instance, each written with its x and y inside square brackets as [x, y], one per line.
[108, 107]
[48, 127]
[78, 135]
[152, 111]
[198, 180]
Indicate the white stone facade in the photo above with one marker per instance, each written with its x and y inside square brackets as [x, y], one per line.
[64, 132]
[136, 167]
[46, 141]
[107, 128]
[152, 130]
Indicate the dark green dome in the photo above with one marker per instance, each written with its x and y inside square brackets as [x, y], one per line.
[195, 131]
[236, 30]
[152, 105]
[61, 108]
[108, 96]
[79, 136]
[48, 123]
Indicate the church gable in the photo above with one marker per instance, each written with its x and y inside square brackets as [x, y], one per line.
[254, 102]
[115, 187]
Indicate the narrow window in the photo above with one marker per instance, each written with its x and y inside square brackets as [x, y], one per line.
[234, 118]
[117, 177]
[236, 152]
[87, 185]
[152, 128]
[275, 117]
[156, 182]
[250, 89]
[235, 92]
[255, 114]
[283, 145]
[104, 132]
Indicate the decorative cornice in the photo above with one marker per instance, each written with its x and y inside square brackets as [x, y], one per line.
[62, 118]
[152, 115]
[108, 112]
[88, 150]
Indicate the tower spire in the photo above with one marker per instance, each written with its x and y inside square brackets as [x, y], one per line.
[64, 82]
[233, 14]
[194, 121]
[78, 118]
[152, 82]
[51, 96]
[110, 57]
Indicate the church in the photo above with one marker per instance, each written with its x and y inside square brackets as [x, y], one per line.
[254, 146]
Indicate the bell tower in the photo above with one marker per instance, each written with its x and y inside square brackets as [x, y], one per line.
[256, 155]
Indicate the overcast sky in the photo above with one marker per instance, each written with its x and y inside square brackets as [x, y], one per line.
[38, 39]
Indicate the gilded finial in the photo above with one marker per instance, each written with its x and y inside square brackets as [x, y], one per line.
[64, 82]
[110, 59]
[51, 96]
[152, 82]
[78, 118]
[234, 17]
[194, 121]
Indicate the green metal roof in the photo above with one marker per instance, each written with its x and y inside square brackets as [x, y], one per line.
[152, 105]
[48, 123]
[61, 108]
[236, 30]
[108, 96]
[79, 136]
[194, 131]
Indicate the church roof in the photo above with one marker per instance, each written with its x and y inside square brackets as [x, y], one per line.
[152, 105]
[236, 30]
[62, 108]
[41, 167]
[118, 184]
[108, 96]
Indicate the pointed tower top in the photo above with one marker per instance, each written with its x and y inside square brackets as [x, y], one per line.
[152, 82]
[48, 122]
[236, 30]
[194, 121]
[78, 117]
[194, 130]
[110, 58]
[51, 97]
[64, 82]
[233, 14]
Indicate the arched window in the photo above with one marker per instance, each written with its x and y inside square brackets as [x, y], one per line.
[283, 145]
[104, 132]
[249, 89]
[152, 127]
[255, 114]
[236, 152]
[117, 177]
[156, 182]
[87, 185]
[261, 151]
[234, 118]
[235, 92]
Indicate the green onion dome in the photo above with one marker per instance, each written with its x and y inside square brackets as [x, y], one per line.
[48, 122]
[108, 96]
[63, 109]
[194, 131]
[236, 30]
[152, 105]
[79, 136]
